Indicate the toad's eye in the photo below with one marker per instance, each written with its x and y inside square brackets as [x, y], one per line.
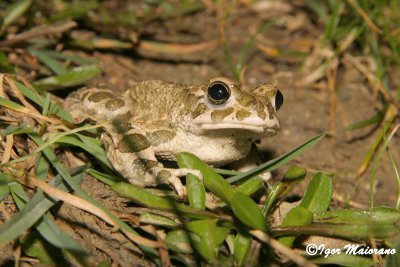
[278, 100]
[218, 93]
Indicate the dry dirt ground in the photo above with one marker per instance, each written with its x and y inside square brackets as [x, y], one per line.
[305, 112]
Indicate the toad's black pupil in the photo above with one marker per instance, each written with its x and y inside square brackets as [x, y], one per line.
[278, 100]
[218, 93]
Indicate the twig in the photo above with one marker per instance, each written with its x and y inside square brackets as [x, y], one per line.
[2, 93]
[340, 198]
[365, 17]
[390, 114]
[373, 81]
[163, 249]
[73, 200]
[298, 259]
[38, 32]
[8, 148]
[331, 75]
[19, 94]
[86, 206]
[17, 256]
[27, 108]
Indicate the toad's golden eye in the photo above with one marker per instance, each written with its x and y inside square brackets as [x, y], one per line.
[218, 93]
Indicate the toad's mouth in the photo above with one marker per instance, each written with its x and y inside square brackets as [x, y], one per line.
[259, 129]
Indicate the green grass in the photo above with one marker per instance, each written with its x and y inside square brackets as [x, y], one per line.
[234, 229]
[375, 33]
[208, 232]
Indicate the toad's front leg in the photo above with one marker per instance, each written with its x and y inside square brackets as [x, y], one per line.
[132, 155]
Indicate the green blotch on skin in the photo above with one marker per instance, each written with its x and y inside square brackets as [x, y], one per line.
[121, 122]
[219, 115]
[114, 104]
[97, 97]
[160, 137]
[143, 165]
[245, 100]
[133, 143]
[191, 100]
[265, 91]
[163, 175]
[242, 114]
[260, 111]
[122, 127]
[200, 109]
[271, 110]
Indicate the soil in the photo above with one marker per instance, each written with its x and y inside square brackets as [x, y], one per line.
[304, 114]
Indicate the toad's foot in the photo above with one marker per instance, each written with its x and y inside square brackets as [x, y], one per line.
[160, 175]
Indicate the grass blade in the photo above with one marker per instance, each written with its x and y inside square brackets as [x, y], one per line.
[248, 212]
[26, 218]
[318, 194]
[5, 65]
[298, 216]
[377, 161]
[281, 160]
[47, 144]
[372, 120]
[51, 63]
[14, 12]
[379, 215]
[150, 200]
[126, 229]
[54, 109]
[212, 180]
[241, 246]
[89, 144]
[76, 59]
[208, 236]
[73, 77]
[196, 192]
